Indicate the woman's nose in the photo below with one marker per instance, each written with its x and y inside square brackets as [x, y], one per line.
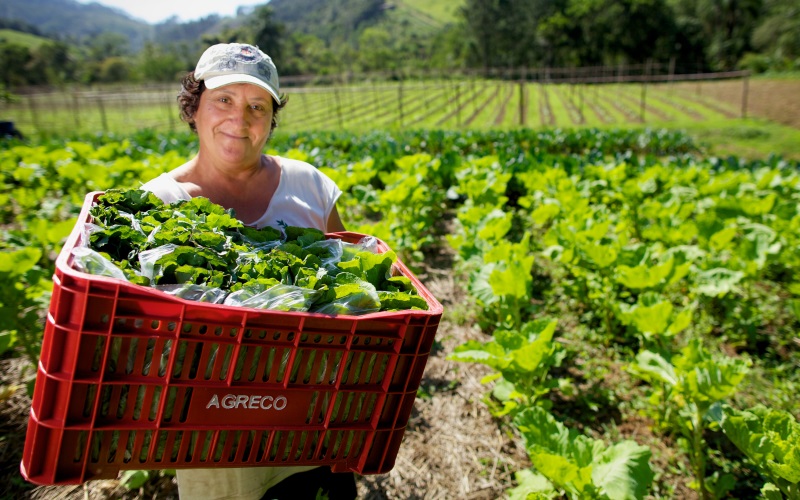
[239, 115]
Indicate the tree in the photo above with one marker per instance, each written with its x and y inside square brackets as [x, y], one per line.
[505, 33]
[14, 59]
[114, 69]
[53, 61]
[630, 31]
[727, 27]
[158, 64]
[449, 50]
[376, 50]
[267, 33]
[778, 34]
[108, 44]
[305, 54]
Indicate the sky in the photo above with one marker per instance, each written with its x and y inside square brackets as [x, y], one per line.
[154, 11]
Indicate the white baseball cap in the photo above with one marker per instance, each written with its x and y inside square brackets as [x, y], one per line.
[227, 63]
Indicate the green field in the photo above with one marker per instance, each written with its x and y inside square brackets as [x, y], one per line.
[631, 296]
[441, 11]
[472, 104]
[20, 38]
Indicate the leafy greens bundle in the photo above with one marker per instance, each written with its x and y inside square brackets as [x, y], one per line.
[198, 250]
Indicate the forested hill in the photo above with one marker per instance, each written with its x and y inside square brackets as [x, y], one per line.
[69, 19]
[328, 20]
[76, 22]
[344, 20]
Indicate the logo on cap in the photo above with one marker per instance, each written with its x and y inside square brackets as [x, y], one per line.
[246, 54]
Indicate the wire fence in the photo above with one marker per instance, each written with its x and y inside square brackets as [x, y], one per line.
[350, 101]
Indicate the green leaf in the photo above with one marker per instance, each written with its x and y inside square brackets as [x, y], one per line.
[544, 213]
[480, 287]
[372, 267]
[601, 255]
[582, 465]
[706, 379]
[645, 275]
[304, 236]
[653, 367]
[397, 301]
[722, 239]
[717, 282]
[531, 485]
[771, 492]
[495, 226]
[18, 262]
[513, 278]
[561, 470]
[649, 319]
[681, 321]
[623, 471]
[134, 479]
[7, 341]
[770, 439]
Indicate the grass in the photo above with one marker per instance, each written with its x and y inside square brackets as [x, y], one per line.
[19, 38]
[748, 138]
[441, 11]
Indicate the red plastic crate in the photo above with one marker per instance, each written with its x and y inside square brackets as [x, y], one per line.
[197, 385]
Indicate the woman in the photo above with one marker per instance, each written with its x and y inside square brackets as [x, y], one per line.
[231, 100]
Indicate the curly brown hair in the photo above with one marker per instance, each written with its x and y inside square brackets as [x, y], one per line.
[189, 101]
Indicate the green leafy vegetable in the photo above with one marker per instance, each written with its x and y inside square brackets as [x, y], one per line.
[198, 250]
[579, 465]
[771, 440]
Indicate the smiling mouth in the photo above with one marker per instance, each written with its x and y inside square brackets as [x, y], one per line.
[234, 136]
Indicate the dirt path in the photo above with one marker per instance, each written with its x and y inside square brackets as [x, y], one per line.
[453, 448]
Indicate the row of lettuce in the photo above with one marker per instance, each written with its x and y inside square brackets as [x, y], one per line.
[669, 259]
[570, 244]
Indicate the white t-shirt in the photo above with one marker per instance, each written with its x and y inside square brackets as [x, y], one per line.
[305, 197]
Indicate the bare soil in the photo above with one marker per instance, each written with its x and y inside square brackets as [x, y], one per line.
[775, 100]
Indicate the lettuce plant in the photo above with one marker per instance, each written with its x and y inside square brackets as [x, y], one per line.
[771, 440]
[691, 386]
[522, 360]
[582, 467]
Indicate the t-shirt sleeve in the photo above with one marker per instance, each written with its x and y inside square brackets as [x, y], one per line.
[166, 188]
[333, 193]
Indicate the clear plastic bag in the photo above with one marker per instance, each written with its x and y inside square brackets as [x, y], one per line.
[353, 305]
[329, 252]
[148, 258]
[368, 243]
[89, 261]
[353, 296]
[88, 230]
[279, 297]
[197, 293]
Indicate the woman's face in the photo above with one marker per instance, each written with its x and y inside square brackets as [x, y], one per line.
[234, 122]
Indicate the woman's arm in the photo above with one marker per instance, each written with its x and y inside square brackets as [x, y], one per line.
[335, 223]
